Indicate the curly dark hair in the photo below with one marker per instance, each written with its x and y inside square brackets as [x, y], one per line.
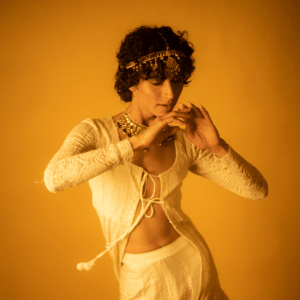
[146, 40]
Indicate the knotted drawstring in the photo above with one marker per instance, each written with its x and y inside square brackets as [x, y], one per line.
[149, 201]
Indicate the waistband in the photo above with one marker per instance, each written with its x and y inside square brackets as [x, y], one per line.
[140, 259]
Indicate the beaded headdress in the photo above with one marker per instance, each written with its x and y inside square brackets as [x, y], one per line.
[169, 57]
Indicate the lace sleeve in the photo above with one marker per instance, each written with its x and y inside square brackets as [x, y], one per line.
[80, 158]
[232, 172]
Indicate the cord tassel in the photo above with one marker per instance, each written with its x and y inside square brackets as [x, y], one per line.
[87, 266]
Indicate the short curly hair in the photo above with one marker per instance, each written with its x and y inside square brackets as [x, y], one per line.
[146, 40]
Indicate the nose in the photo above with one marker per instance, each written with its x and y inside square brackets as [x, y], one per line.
[168, 92]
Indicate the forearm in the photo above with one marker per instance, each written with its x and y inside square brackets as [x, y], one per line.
[65, 170]
[231, 171]
[238, 175]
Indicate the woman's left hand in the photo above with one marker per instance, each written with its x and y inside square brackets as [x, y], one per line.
[201, 131]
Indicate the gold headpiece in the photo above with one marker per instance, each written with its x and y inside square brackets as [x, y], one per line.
[171, 62]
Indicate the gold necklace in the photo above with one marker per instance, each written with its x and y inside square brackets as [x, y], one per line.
[129, 126]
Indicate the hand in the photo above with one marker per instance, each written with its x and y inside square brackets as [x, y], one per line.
[201, 131]
[160, 130]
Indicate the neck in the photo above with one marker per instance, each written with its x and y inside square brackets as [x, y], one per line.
[140, 116]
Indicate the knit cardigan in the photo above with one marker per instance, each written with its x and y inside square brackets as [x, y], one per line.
[93, 151]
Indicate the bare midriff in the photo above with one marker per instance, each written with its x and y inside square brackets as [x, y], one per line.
[151, 233]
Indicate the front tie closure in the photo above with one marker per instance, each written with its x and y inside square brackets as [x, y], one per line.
[146, 203]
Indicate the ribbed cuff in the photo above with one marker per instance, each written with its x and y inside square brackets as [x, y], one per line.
[126, 151]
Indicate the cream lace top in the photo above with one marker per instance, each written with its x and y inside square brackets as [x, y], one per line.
[93, 151]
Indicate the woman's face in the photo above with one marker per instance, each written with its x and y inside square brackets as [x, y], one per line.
[155, 97]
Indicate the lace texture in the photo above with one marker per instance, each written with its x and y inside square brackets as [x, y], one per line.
[231, 171]
[93, 152]
[78, 160]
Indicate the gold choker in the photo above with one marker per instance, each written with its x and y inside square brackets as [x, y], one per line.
[129, 126]
[132, 128]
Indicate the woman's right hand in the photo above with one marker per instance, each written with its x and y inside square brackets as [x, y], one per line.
[160, 130]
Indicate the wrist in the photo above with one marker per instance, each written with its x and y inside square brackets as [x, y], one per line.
[136, 143]
[221, 149]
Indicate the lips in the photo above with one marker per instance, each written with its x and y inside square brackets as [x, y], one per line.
[165, 106]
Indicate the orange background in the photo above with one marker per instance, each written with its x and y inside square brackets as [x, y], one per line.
[57, 65]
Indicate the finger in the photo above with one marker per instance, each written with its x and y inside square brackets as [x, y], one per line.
[170, 135]
[185, 117]
[193, 110]
[180, 115]
[183, 114]
[163, 125]
[182, 106]
[204, 111]
[173, 120]
[197, 111]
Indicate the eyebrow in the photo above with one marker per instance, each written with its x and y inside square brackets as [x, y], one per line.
[158, 77]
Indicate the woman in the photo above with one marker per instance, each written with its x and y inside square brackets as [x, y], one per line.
[135, 163]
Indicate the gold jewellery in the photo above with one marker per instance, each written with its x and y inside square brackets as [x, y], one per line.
[131, 128]
[171, 61]
[169, 57]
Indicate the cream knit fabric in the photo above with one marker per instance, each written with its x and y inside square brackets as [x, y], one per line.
[93, 151]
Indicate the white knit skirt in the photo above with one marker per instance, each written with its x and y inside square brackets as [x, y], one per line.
[171, 272]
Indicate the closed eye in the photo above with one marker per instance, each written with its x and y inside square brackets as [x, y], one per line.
[156, 82]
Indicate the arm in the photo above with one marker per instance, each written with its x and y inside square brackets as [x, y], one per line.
[216, 161]
[232, 172]
[80, 158]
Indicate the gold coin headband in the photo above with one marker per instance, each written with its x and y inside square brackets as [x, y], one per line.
[171, 63]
